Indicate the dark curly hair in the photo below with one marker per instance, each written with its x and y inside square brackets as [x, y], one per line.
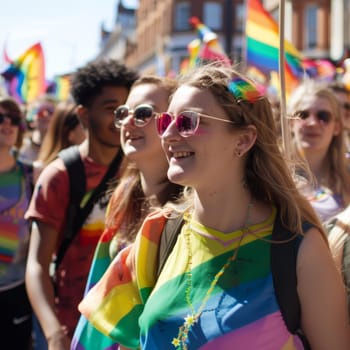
[88, 81]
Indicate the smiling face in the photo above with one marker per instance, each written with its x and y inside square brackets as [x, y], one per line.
[140, 143]
[8, 131]
[313, 135]
[99, 116]
[207, 157]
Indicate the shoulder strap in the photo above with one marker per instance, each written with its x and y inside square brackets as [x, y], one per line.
[76, 214]
[283, 268]
[27, 170]
[74, 165]
[77, 187]
[168, 239]
[100, 189]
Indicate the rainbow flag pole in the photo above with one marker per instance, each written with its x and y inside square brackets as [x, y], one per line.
[268, 51]
[282, 64]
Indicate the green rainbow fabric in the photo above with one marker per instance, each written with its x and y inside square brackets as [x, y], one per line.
[137, 310]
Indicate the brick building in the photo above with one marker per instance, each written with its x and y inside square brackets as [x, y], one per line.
[154, 38]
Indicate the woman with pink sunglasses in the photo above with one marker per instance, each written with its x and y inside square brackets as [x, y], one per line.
[216, 289]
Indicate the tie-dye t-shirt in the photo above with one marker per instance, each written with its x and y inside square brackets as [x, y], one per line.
[240, 312]
[14, 230]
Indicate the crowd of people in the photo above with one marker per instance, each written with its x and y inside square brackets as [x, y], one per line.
[163, 213]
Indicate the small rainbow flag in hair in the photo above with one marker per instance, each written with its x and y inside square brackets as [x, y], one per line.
[243, 90]
[25, 76]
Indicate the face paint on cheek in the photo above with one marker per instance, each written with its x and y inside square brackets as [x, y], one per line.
[200, 132]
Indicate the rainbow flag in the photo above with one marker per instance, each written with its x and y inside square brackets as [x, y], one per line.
[320, 69]
[60, 87]
[130, 304]
[206, 47]
[87, 337]
[263, 45]
[25, 76]
[211, 49]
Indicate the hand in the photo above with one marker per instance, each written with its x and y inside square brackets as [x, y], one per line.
[59, 340]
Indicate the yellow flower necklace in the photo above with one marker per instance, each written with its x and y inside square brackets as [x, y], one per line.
[180, 341]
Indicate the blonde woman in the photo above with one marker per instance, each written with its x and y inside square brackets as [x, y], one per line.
[216, 288]
[319, 141]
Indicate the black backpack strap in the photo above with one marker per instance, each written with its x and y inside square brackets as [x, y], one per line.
[283, 268]
[168, 239]
[100, 189]
[77, 215]
[77, 188]
[27, 170]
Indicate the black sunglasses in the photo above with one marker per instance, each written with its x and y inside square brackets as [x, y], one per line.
[142, 115]
[322, 115]
[16, 121]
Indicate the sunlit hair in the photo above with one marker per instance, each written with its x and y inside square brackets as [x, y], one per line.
[12, 107]
[64, 120]
[337, 177]
[267, 175]
[128, 202]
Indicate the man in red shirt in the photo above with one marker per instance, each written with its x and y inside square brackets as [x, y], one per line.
[98, 89]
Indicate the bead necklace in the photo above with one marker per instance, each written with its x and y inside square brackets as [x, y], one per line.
[193, 316]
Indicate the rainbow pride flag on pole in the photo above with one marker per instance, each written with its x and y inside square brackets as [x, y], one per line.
[206, 47]
[263, 45]
[25, 76]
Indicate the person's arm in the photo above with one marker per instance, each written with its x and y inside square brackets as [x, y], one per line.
[37, 169]
[39, 284]
[322, 295]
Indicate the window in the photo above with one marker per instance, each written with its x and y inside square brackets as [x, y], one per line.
[212, 15]
[182, 16]
[311, 27]
[240, 18]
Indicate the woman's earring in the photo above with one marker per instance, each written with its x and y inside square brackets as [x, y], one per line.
[238, 154]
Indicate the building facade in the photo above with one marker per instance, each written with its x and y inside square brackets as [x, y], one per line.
[163, 31]
[317, 28]
[154, 38]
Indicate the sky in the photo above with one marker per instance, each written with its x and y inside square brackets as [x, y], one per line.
[68, 30]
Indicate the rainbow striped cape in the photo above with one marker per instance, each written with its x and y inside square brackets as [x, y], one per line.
[132, 306]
